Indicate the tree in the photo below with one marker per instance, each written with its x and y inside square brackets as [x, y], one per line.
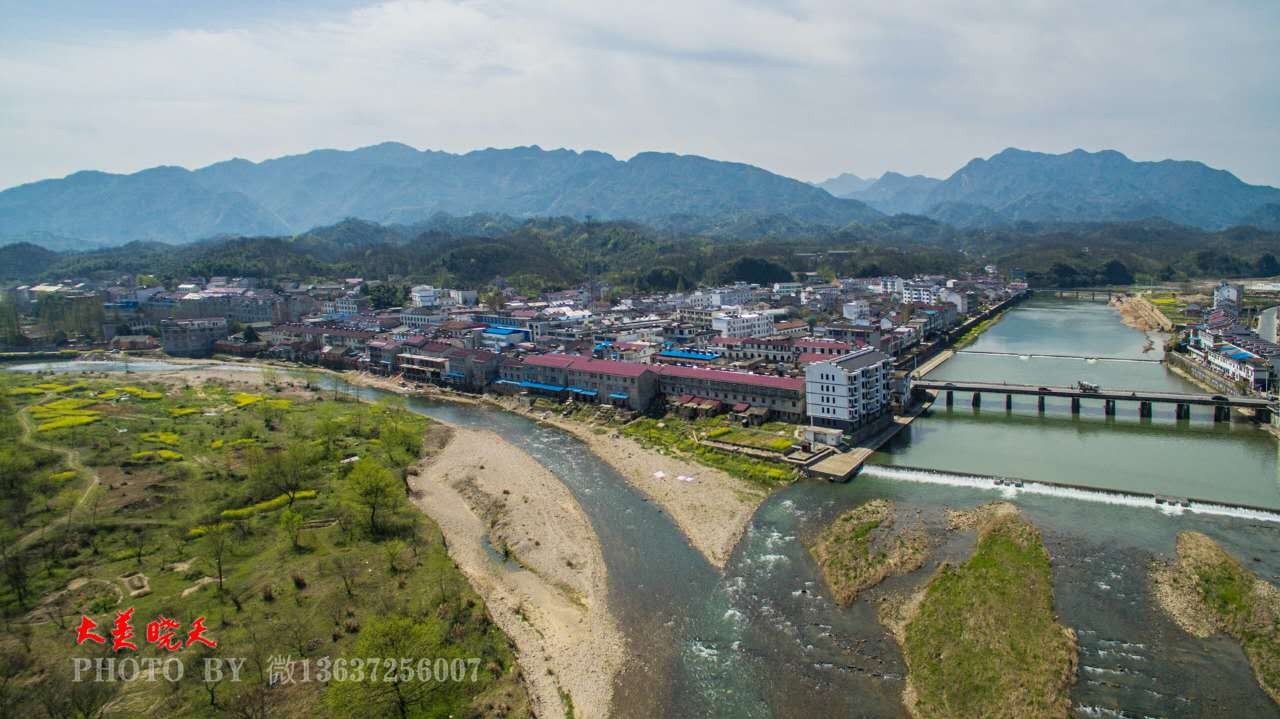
[15, 573]
[287, 472]
[291, 525]
[218, 543]
[374, 488]
[1115, 273]
[1267, 266]
[250, 334]
[494, 300]
[752, 269]
[348, 570]
[401, 693]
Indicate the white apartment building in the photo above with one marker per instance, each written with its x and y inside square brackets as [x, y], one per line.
[920, 292]
[422, 318]
[857, 310]
[719, 297]
[1227, 295]
[848, 391]
[737, 324]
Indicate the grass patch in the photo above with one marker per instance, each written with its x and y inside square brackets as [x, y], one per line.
[674, 434]
[852, 563]
[984, 641]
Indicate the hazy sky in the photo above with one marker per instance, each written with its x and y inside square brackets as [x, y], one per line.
[806, 88]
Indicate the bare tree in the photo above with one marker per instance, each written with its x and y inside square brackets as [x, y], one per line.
[218, 542]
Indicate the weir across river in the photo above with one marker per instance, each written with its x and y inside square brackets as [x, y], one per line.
[1059, 356]
[1222, 404]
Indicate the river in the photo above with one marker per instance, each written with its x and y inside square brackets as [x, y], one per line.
[764, 639]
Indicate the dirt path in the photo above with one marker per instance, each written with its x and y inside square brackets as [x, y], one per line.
[72, 459]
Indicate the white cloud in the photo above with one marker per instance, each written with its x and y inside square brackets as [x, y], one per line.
[806, 88]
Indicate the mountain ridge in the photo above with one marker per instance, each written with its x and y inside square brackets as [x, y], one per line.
[395, 183]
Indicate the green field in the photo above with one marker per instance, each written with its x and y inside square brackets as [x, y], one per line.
[278, 516]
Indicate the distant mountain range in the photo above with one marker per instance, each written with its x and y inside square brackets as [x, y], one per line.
[845, 184]
[394, 184]
[1017, 186]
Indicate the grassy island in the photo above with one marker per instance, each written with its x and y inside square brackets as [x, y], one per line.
[281, 518]
[862, 548]
[1205, 590]
[981, 639]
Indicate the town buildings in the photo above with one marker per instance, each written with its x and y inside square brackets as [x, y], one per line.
[849, 391]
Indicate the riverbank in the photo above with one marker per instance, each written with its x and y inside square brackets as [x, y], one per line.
[711, 507]
[528, 548]
[1137, 312]
[1205, 590]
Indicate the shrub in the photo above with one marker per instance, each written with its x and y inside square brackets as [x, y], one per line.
[156, 455]
[244, 399]
[141, 393]
[169, 438]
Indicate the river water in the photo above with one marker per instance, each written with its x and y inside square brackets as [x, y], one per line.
[764, 639]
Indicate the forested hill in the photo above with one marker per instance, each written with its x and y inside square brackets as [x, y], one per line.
[395, 183]
[479, 250]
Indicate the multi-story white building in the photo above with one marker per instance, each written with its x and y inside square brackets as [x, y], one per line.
[423, 318]
[849, 391]
[857, 310]
[1227, 295]
[719, 297]
[920, 292]
[739, 324]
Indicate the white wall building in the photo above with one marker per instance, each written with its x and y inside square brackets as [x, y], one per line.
[924, 293]
[1227, 294]
[957, 298]
[857, 310]
[736, 324]
[849, 391]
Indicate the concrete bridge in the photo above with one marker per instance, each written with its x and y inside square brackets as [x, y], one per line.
[1222, 404]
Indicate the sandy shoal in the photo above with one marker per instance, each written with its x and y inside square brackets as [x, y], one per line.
[712, 510]
[551, 596]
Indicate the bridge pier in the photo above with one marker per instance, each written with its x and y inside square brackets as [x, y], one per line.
[1221, 413]
[950, 398]
[1075, 405]
[1144, 410]
[1182, 411]
[977, 400]
[1109, 407]
[1040, 403]
[1262, 415]
[1008, 402]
